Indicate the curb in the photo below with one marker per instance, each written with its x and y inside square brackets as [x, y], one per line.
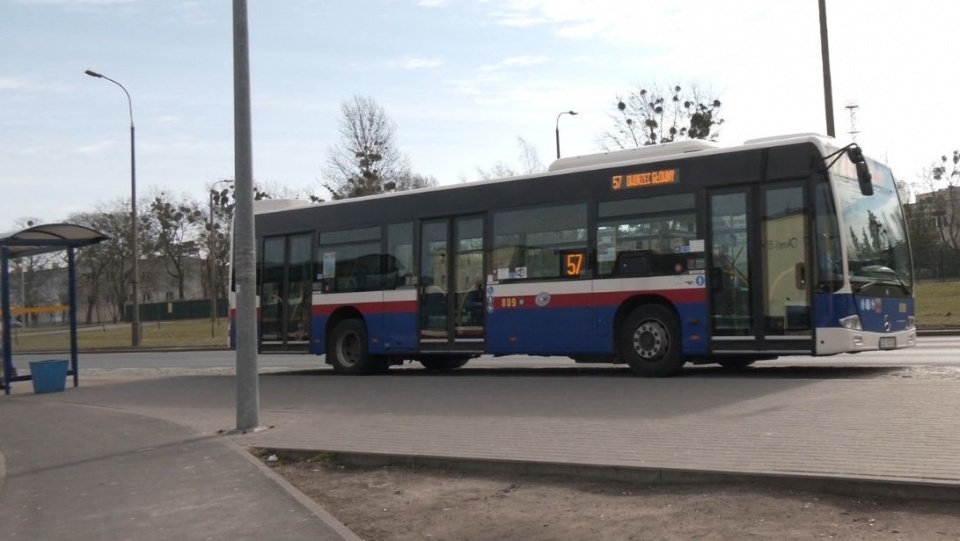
[345, 533]
[938, 332]
[858, 486]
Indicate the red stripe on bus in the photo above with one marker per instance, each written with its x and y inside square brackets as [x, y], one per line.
[378, 307]
[573, 300]
[585, 300]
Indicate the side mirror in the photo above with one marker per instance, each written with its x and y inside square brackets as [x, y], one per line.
[863, 172]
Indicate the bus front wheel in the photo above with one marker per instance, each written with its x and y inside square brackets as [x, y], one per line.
[347, 349]
[650, 342]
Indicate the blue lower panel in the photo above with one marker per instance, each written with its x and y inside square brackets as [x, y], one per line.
[584, 331]
[387, 333]
[874, 312]
[397, 334]
[545, 331]
[693, 322]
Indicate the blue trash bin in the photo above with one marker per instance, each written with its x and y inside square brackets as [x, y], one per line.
[49, 376]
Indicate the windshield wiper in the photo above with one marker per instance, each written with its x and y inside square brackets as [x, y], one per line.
[880, 269]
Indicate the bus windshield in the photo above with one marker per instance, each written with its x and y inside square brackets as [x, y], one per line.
[875, 230]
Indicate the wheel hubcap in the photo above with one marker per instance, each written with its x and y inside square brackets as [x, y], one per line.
[650, 340]
[349, 349]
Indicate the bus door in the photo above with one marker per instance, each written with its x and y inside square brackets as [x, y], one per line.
[760, 297]
[451, 284]
[285, 292]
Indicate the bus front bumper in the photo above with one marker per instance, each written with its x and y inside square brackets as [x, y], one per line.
[839, 340]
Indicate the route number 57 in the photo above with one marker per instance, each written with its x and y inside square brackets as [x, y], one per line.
[574, 264]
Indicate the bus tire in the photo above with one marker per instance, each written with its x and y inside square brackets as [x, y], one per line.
[650, 342]
[443, 363]
[347, 349]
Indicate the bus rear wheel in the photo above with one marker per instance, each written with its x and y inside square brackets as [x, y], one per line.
[650, 342]
[443, 363]
[347, 349]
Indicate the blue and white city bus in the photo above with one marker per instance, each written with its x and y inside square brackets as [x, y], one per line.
[654, 257]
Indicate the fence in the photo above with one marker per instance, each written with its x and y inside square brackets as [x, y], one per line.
[936, 262]
[177, 310]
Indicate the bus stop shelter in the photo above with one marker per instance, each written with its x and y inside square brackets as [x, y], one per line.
[35, 240]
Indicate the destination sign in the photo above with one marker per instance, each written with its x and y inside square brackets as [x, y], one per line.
[644, 180]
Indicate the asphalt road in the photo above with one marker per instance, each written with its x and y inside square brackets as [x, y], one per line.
[935, 352]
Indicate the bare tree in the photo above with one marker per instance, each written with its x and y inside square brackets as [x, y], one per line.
[366, 161]
[28, 280]
[941, 204]
[529, 163]
[414, 181]
[650, 116]
[104, 268]
[176, 226]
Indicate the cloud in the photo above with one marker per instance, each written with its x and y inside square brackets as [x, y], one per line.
[516, 62]
[72, 3]
[195, 13]
[627, 21]
[432, 3]
[417, 63]
[97, 147]
[8, 83]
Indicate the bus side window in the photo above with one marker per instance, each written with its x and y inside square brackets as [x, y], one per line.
[633, 263]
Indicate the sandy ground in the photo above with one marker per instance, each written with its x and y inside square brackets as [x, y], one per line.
[401, 502]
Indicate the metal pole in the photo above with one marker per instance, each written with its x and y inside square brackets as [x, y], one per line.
[558, 129]
[211, 271]
[558, 136]
[23, 295]
[6, 319]
[248, 392]
[825, 53]
[72, 287]
[134, 237]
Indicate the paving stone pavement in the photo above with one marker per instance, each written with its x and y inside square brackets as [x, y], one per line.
[883, 431]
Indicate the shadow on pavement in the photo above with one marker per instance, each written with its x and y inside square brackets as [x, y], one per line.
[772, 372]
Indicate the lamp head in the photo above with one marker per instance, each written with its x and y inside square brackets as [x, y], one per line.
[92, 73]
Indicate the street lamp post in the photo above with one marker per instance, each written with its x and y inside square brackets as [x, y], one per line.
[558, 129]
[211, 263]
[134, 237]
[825, 54]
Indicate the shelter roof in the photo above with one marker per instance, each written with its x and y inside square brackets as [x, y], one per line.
[40, 239]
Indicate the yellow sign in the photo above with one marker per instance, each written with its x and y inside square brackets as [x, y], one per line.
[643, 180]
[38, 310]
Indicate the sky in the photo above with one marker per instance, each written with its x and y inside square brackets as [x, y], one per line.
[461, 79]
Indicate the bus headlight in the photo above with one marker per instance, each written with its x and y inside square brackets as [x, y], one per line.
[851, 322]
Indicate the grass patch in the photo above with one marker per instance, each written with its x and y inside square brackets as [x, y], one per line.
[324, 456]
[938, 305]
[163, 334]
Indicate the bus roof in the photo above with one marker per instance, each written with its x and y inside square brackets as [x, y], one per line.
[593, 161]
[632, 154]
[273, 205]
